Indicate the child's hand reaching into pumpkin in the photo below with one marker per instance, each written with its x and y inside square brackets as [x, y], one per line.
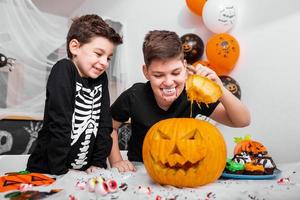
[124, 166]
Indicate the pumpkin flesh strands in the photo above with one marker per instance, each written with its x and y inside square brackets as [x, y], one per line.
[202, 89]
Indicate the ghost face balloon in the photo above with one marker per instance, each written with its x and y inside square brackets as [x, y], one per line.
[219, 16]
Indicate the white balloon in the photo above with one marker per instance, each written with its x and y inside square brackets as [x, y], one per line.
[219, 16]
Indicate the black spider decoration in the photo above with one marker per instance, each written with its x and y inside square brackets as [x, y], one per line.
[4, 61]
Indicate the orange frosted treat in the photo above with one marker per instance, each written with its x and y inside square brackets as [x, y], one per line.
[254, 169]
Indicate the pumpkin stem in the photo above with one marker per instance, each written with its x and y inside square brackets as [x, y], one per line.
[241, 139]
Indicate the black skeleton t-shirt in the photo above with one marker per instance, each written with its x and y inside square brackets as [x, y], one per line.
[77, 122]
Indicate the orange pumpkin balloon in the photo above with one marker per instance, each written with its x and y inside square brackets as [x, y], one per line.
[184, 152]
[196, 6]
[222, 51]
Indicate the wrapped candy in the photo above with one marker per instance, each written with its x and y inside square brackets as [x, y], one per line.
[92, 183]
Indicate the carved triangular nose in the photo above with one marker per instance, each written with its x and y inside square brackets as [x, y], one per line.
[175, 150]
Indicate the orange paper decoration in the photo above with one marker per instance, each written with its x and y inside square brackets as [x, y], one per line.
[13, 182]
[222, 51]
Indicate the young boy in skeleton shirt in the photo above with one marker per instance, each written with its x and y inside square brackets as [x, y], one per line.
[77, 121]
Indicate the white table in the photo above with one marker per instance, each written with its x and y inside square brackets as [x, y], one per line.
[139, 181]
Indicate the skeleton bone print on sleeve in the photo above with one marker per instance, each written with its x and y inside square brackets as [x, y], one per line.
[85, 120]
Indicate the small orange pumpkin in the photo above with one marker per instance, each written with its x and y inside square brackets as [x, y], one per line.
[202, 89]
[252, 147]
[184, 152]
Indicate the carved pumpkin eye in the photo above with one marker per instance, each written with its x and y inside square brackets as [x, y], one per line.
[194, 134]
[161, 135]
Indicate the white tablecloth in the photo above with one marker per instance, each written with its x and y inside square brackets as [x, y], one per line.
[140, 186]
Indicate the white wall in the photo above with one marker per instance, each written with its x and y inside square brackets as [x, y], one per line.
[268, 33]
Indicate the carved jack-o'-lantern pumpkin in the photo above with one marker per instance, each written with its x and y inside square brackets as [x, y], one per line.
[202, 89]
[184, 152]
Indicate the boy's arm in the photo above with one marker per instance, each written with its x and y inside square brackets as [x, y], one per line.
[103, 141]
[60, 109]
[230, 111]
[121, 112]
[115, 154]
[102, 148]
[115, 157]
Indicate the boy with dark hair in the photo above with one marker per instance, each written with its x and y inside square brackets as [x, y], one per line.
[77, 122]
[164, 96]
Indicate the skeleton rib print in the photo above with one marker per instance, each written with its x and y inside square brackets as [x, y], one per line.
[85, 120]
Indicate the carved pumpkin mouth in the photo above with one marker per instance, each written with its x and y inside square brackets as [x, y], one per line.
[185, 167]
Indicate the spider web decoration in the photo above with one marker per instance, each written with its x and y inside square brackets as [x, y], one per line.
[124, 133]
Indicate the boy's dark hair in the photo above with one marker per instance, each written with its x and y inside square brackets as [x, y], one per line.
[86, 27]
[161, 45]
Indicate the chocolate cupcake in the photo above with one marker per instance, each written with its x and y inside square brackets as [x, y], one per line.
[267, 163]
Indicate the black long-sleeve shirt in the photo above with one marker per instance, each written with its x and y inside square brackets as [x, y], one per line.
[77, 122]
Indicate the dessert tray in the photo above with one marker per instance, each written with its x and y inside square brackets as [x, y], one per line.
[275, 174]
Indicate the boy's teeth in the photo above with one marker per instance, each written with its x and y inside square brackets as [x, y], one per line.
[169, 90]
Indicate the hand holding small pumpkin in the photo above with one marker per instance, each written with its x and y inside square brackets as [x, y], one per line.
[203, 85]
[123, 166]
[204, 72]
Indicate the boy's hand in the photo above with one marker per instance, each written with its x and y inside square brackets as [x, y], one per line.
[124, 166]
[92, 169]
[205, 72]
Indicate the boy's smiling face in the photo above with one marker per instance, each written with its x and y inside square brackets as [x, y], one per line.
[167, 79]
[92, 59]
